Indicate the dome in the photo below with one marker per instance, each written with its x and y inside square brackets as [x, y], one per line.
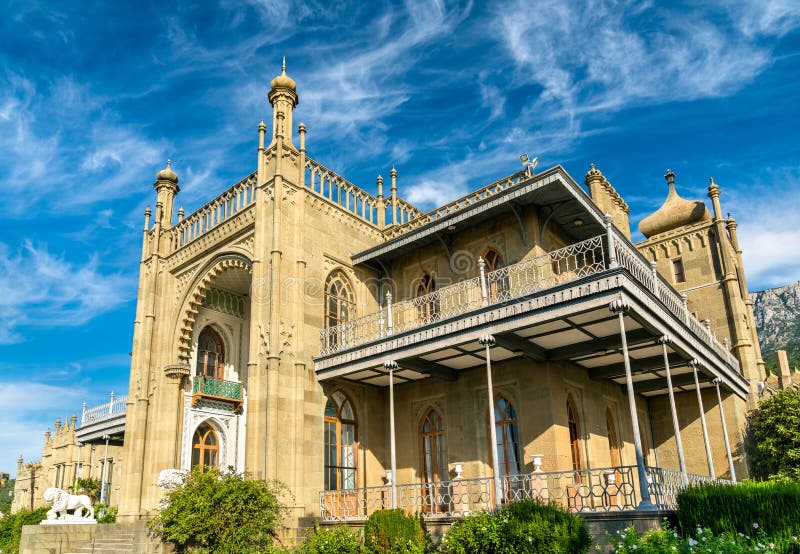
[283, 80]
[167, 174]
[675, 212]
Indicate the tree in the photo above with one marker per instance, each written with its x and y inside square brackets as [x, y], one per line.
[88, 486]
[221, 512]
[774, 437]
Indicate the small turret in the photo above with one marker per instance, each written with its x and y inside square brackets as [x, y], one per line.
[283, 99]
[166, 186]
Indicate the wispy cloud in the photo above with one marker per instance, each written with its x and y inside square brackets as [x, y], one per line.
[39, 289]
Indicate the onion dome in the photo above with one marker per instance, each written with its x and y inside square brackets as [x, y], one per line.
[675, 212]
[167, 174]
[283, 80]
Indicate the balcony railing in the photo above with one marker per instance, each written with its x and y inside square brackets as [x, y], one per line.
[611, 489]
[111, 409]
[559, 266]
[216, 389]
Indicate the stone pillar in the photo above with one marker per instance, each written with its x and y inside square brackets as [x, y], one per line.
[784, 373]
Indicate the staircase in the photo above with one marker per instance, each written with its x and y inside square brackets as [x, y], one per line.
[116, 543]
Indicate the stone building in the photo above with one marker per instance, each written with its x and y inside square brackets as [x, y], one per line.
[303, 329]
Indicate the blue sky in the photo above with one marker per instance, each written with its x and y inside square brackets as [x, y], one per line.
[94, 97]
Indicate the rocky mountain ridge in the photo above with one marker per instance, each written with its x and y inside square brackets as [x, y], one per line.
[777, 316]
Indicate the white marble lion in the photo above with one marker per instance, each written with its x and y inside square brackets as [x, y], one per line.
[62, 502]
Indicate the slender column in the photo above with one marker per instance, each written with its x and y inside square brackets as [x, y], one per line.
[484, 291]
[488, 341]
[612, 254]
[389, 318]
[694, 364]
[725, 431]
[619, 307]
[664, 341]
[103, 492]
[391, 366]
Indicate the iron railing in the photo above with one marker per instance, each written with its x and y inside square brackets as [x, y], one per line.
[666, 484]
[216, 388]
[111, 409]
[588, 490]
[559, 266]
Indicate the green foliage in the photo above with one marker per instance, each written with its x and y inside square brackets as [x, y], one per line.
[6, 495]
[105, 514]
[774, 436]
[773, 506]
[520, 527]
[221, 513]
[395, 532]
[704, 540]
[88, 486]
[11, 528]
[332, 540]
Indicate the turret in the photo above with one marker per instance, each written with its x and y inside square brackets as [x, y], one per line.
[608, 200]
[283, 99]
[166, 186]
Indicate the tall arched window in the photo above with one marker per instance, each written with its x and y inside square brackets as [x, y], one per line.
[340, 443]
[508, 457]
[339, 304]
[427, 308]
[574, 433]
[205, 447]
[210, 354]
[613, 439]
[496, 283]
[433, 449]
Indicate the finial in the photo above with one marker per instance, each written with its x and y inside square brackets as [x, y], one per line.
[283, 66]
[670, 177]
[711, 181]
[169, 163]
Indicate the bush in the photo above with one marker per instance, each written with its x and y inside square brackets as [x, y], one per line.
[11, 528]
[392, 531]
[774, 436]
[520, 527]
[773, 505]
[220, 512]
[105, 514]
[335, 540]
[88, 486]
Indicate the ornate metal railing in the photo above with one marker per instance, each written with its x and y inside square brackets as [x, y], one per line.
[113, 408]
[559, 266]
[666, 484]
[216, 388]
[223, 207]
[590, 490]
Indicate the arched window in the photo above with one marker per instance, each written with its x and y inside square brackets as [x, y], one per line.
[210, 354]
[205, 447]
[340, 443]
[427, 308]
[613, 439]
[574, 433]
[496, 281]
[433, 448]
[508, 457]
[339, 306]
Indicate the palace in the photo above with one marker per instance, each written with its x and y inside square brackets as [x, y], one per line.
[513, 343]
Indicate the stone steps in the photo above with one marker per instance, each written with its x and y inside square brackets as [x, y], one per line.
[120, 543]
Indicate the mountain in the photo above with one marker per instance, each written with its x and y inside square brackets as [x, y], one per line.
[777, 315]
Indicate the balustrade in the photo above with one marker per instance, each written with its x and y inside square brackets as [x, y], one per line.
[111, 409]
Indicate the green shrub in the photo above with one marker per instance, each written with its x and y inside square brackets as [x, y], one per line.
[105, 514]
[774, 436]
[332, 540]
[11, 528]
[520, 527]
[392, 531]
[771, 507]
[220, 513]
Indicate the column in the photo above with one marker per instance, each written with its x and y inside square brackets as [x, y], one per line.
[488, 341]
[725, 431]
[391, 366]
[619, 307]
[664, 341]
[694, 363]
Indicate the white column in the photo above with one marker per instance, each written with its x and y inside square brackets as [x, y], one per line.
[725, 431]
[482, 276]
[391, 366]
[488, 341]
[612, 254]
[665, 340]
[619, 307]
[694, 363]
[103, 493]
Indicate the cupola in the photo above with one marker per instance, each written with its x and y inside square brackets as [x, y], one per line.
[674, 213]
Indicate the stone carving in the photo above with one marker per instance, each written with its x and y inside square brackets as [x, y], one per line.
[62, 503]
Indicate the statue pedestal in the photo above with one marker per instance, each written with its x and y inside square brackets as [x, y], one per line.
[70, 520]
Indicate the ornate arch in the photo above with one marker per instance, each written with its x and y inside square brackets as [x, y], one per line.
[190, 305]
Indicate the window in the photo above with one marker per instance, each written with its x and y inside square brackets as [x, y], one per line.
[339, 304]
[427, 306]
[613, 440]
[210, 354]
[508, 458]
[340, 443]
[205, 447]
[574, 434]
[496, 283]
[434, 462]
[677, 271]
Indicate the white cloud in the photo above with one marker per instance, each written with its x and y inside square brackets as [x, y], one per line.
[39, 289]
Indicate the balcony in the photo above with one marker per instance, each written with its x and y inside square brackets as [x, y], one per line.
[216, 390]
[602, 490]
[105, 420]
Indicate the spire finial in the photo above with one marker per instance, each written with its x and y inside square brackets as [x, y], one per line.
[283, 66]
[670, 177]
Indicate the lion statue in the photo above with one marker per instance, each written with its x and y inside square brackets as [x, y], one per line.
[62, 502]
